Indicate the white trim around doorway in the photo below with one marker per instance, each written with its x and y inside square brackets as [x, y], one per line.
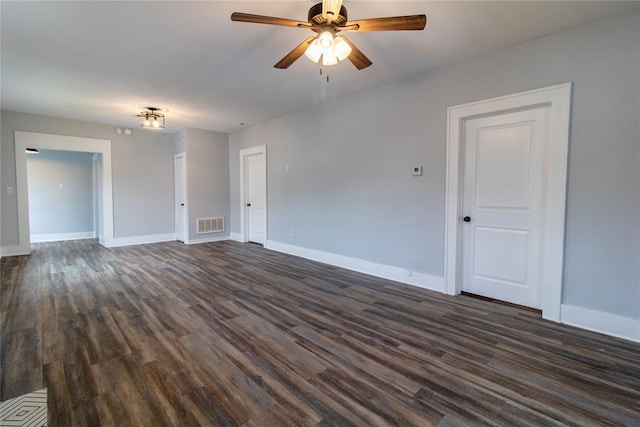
[244, 154]
[185, 224]
[45, 141]
[558, 100]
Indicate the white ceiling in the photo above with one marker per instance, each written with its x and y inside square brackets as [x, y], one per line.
[100, 61]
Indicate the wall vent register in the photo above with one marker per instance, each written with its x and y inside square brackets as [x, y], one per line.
[210, 225]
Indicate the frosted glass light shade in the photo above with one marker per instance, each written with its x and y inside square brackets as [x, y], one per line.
[314, 51]
[326, 40]
[341, 48]
[329, 58]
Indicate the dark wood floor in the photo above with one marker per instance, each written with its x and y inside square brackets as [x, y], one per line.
[232, 334]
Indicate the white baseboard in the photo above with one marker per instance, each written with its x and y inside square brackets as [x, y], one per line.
[139, 240]
[14, 250]
[600, 321]
[59, 237]
[206, 240]
[397, 274]
[235, 237]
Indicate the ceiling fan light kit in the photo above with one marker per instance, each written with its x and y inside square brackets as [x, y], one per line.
[331, 49]
[327, 19]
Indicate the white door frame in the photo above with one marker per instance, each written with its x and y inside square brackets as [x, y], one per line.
[185, 218]
[558, 100]
[244, 154]
[45, 141]
[97, 186]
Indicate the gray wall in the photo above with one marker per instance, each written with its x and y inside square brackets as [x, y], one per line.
[350, 191]
[142, 174]
[55, 210]
[179, 139]
[207, 165]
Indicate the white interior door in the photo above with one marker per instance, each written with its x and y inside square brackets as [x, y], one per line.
[180, 197]
[256, 198]
[504, 165]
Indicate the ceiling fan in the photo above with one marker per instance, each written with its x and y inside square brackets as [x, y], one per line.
[327, 19]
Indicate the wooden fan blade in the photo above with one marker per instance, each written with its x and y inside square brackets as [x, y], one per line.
[356, 56]
[392, 23]
[261, 19]
[296, 53]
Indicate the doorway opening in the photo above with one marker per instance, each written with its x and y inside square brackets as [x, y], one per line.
[104, 189]
[253, 195]
[557, 99]
[62, 195]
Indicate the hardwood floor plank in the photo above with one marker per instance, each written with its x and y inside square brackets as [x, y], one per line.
[169, 387]
[340, 353]
[278, 345]
[58, 396]
[296, 409]
[20, 372]
[235, 391]
[207, 409]
[229, 334]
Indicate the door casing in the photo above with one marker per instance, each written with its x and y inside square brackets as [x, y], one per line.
[244, 155]
[62, 143]
[181, 181]
[256, 200]
[558, 100]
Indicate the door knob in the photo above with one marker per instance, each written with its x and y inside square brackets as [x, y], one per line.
[181, 204]
[248, 204]
[467, 219]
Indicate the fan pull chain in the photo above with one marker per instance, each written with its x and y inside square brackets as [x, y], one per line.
[327, 74]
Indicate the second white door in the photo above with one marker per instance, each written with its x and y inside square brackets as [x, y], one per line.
[504, 170]
[180, 197]
[256, 197]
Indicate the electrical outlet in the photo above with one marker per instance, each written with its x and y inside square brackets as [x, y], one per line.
[292, 232]
[416, 171]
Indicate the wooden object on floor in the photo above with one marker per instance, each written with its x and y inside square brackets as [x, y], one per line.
[232, 334]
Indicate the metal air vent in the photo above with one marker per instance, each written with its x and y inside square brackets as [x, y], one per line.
[210, 225]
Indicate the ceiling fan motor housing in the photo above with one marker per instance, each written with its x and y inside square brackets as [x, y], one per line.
[315, 15]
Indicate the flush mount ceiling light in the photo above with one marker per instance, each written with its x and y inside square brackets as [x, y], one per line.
[153, 118]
